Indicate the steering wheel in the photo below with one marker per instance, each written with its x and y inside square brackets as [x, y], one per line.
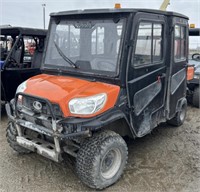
[106, 65]
[196, 56]
[13, 63]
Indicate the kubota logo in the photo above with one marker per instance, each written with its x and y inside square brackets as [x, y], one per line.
[37, 105]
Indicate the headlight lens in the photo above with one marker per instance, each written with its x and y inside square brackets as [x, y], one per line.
[87, 105]
[21, 87]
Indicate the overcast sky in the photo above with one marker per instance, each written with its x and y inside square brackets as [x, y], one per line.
[29, 13]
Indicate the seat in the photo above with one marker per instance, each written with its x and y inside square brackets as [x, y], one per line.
[37, 56]
[18, 56]
[37, 59]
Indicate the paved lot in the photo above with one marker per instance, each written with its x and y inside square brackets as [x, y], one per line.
[166, 160]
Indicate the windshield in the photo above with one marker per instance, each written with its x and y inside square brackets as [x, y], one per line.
[89, 46]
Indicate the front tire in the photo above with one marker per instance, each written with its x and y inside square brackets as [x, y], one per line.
[101, 159]
[196, 97]
[11, 134]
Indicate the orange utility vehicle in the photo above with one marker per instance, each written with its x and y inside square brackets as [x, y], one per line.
[106, 74]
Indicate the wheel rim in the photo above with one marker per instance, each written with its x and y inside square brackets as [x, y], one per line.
[182, 114]
[111, 163]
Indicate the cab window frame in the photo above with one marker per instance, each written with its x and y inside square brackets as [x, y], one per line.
[162, 41]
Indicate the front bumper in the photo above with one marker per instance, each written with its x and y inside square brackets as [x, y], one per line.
[51, 150]
[43, 148]
[54, 132]
[58, 129]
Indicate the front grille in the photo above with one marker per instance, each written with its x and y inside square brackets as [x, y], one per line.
[30, 103]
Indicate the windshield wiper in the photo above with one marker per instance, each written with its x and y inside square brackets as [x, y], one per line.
[64, 56]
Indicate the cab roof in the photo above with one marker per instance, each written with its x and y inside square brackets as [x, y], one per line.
[104, 11]
[21, 30]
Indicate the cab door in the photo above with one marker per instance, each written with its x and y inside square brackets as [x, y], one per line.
[178, 65]
[147, 73]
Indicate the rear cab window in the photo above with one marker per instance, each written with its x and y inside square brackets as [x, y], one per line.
[179, 43]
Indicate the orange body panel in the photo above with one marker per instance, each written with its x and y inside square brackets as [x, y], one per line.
[61, 89]
[190, 73]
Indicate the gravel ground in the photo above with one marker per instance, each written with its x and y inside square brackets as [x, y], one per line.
[168, 159]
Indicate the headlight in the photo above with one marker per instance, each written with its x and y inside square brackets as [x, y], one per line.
[21, 87]
[87, 105]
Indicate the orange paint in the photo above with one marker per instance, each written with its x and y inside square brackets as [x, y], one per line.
[190, 73]
[61, 89]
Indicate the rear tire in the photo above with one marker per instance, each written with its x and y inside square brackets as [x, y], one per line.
[180, 116]
[196, 97]
[101, 159]
[11, 134]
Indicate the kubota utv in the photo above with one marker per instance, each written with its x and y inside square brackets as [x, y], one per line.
[107, 74]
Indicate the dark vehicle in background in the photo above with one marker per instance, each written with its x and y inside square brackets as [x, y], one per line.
[193, 92]
[107, 74]
[21, 55]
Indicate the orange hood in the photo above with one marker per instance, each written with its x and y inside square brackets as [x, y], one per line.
[61, 89]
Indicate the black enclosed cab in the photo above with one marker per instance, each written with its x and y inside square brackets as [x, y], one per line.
[193, 90]
[21, 55]
[106, 74]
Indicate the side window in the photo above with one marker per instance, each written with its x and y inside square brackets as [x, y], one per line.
[179, 43]
[149, 44]
[143, 45]
[157, 42]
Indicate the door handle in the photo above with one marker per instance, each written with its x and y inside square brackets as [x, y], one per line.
[163, 75]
